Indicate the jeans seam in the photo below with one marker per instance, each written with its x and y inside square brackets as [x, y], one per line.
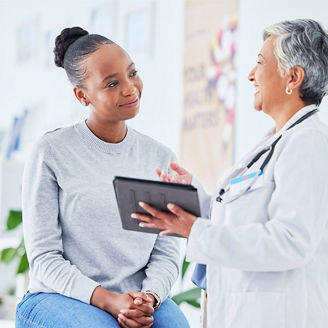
[26, 320]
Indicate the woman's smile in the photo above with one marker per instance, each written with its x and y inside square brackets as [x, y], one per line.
[129, 104]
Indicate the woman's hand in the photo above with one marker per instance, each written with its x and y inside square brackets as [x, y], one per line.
[138, 315]
[130, 317]
[114, 303]
[178, 221]
[182, 176]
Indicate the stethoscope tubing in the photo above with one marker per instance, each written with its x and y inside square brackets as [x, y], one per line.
[270, 149]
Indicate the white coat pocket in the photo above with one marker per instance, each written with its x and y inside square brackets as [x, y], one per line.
[255, 310]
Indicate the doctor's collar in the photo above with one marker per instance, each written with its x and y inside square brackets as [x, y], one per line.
[295, 117]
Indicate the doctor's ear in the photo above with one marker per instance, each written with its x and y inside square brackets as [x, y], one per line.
[295, 77]
[81, 96]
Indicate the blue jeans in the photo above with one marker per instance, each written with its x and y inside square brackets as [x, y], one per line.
[43, 310]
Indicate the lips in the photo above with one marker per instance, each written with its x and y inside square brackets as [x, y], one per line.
[257, 89]
[131, 103]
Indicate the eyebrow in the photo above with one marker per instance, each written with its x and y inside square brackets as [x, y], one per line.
[115, 74]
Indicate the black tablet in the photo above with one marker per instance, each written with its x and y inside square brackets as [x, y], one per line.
[130, 191]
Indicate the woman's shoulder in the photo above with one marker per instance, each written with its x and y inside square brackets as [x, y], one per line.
[54, 138]
[59, 133]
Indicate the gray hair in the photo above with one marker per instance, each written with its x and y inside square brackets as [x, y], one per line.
[304, 43]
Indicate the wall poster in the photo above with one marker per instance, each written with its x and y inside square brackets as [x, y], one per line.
[207, 132]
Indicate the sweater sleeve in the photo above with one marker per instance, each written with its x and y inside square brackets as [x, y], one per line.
[297, 212]
[43, 232]
[163, 267]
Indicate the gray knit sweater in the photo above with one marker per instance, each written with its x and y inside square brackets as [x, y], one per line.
[72, 229]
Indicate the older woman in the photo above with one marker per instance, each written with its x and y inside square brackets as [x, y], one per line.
[266, 244]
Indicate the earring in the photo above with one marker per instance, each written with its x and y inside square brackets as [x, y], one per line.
[289, 91]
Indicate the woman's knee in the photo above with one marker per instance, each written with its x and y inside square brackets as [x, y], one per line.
[169, 315]
[43, 310]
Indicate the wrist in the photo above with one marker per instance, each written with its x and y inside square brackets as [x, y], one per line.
[194, 218]
[153, 299]
[102, 298]
[156, 299]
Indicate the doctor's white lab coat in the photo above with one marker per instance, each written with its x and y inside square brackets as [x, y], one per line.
[267, 251]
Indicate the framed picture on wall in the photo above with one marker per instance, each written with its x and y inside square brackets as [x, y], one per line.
[26, 41]
[139, 26]
[103, 20]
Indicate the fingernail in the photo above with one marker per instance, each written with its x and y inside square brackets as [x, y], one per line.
[141, 204]
[120, 316]
[123, 311]
[134, 216]
[170, 206]
[141, 225]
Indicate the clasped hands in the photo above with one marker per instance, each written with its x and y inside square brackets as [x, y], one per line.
[135, 310]
[178, 221]
[132, 310]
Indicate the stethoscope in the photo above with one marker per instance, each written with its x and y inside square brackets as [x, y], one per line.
[269, 149]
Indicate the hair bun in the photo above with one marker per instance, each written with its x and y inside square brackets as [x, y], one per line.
[64, 40]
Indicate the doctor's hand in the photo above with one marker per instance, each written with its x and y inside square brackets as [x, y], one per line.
[178, 221]
[182, 176]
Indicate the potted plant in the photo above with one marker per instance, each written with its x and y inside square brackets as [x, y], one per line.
[11, 253]
[190, 296]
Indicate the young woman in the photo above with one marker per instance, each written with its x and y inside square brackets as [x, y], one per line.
[85, 270]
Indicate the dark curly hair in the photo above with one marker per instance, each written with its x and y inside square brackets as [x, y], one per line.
[72, 47]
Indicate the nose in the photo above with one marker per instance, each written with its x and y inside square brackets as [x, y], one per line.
[128, 88]
[251, 75]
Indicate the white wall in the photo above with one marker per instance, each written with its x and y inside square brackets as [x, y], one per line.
[254, 16]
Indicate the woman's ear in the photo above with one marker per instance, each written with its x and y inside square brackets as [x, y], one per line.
[81, 96]
[295, 77]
